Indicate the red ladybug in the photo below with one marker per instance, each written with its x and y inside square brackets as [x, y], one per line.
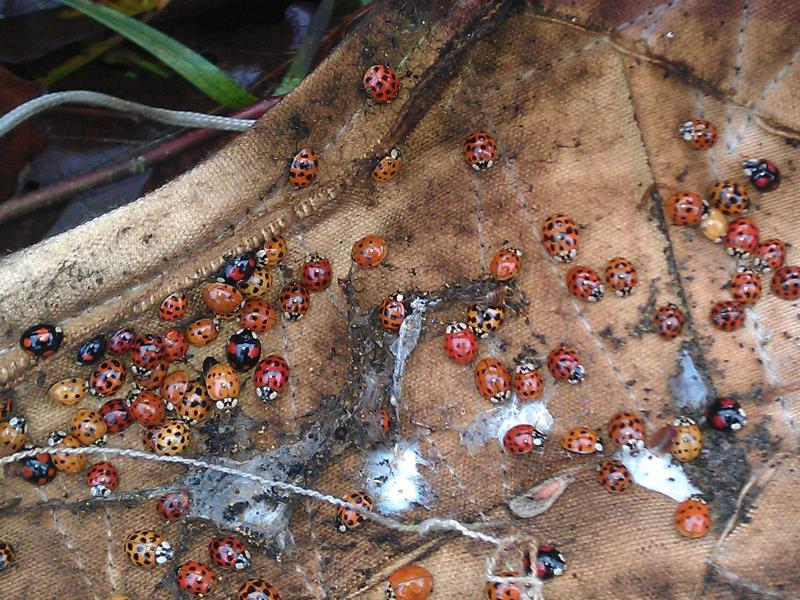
[304, 168]
[763, 174]
[480, 150]
[392, 311]
[229, 552]
[726, 414]
[692, 518]
[769, 255]
[727, 315]
[615, 477]
[316, 273]
[686, 208]
[107, 377]
[560, 237]
[627, 429]
[116, 415]
[492, 380]
[122, 341]
[174, 505]
[295, 300]
[41, 341]
[381, 84]
[621, 276]
[257, 315]
[369, 251]
[700, 134]
[38, 469]
[147, 409]
[506, 263]
[175, 345]
[563, 364]
[528, 383]
[584, 283]
[91, 350]
[786, 283]
[742, 237]
[146, 354]
[746, 287]
[668, 321]
[102, 479]
[270, 377]
[522, 439]
[460, 344]
[196, 579]
[243, 350]
[155, 379]
[238, 269]
[173, 307]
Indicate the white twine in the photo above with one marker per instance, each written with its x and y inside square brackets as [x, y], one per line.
[532, 582]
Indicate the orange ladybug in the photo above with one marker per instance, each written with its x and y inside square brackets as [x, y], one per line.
[173, 307]
[621, 276]
[172, 438]
[582, 440]
[699, 133]
[615, 477]
[492, 380]
[528, 383]
[89, 427]
[369, 251]
[304, 168]
[174, 387]
[274, 251]
[388, 166]
[69, 463]
[347, 518]
[560, 237]
[692, 518]
[68, 391]
[480, 150]
[506, 263]
[222, 299]
[392, 312]
[627, 429]
[222, 383]
[295, 301]
[686, 208]
[410, 582]
[13, 434]
[202, 332]
[503, 591]
[257, 315]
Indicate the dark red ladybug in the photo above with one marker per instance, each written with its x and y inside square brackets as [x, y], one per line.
[726, 414]
[116, 415]
[41, 340]
[229, 552]
[122, 341]
[38, 469]
[173, 505]
[763, 174]
[243, 350]
[238, 269]
[316, 273]
[92, 350]
[270, 377]
[146, 354]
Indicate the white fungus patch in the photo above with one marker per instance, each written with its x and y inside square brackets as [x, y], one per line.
[394, 480]
[689, 391]
[658, 473]
[495, 422]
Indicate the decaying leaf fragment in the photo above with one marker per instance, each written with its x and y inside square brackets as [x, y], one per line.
[540, 497]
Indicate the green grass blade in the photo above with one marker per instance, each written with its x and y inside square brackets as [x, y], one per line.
[201, 73]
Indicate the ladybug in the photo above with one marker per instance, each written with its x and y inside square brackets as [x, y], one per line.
[116, 415]
[692, 518]
[392, 312]
[687, 441]
[89, 427]
[369, 251]
[506, 263]
[222, 383]
[742, 237]
[503, 591]
[560, 237]
[193, 405]
[238, 269]
[492, 380]
[385, 421]
[786, 282]
[229, 552]
[146, 354]
[155, 379]
[174, 307]
[615, 477]
[483, 319]
[257, 589]
[147, 548]
[175, 345]
[715, 226]
[381, 84]
[257, 315]
[270, 377]
[196, 579]
[304, 168]
[769, 255]
[627, 429]
[409, 582]
[621, 276]
[174, 505]
[763, 174]
[243, 350]
[729, 197]
[68, 391]
[528, 383]
[38, 469]
[563, 364]
[174, 387]
[13, 435]
[700, 134]
[122, 341]
[522, 439]
[582, 440]
[388, 166]
[41, 341]
[295, 301]
[584, 283]
[7, 555]
[69, 463]
[549, 562]
[91, 350]
[202, 332]
[102, 479]
[746, 286]
[149, 438]
[668, 321]
[480, 150]
[107, 377]
[172, 438]
[258, 284]
[222, 299]
[727, 315]
[274, 251]
[686, 208]
[460, 344]
[347, 518]
[147, 409]
[726, 414]
[316, 273]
